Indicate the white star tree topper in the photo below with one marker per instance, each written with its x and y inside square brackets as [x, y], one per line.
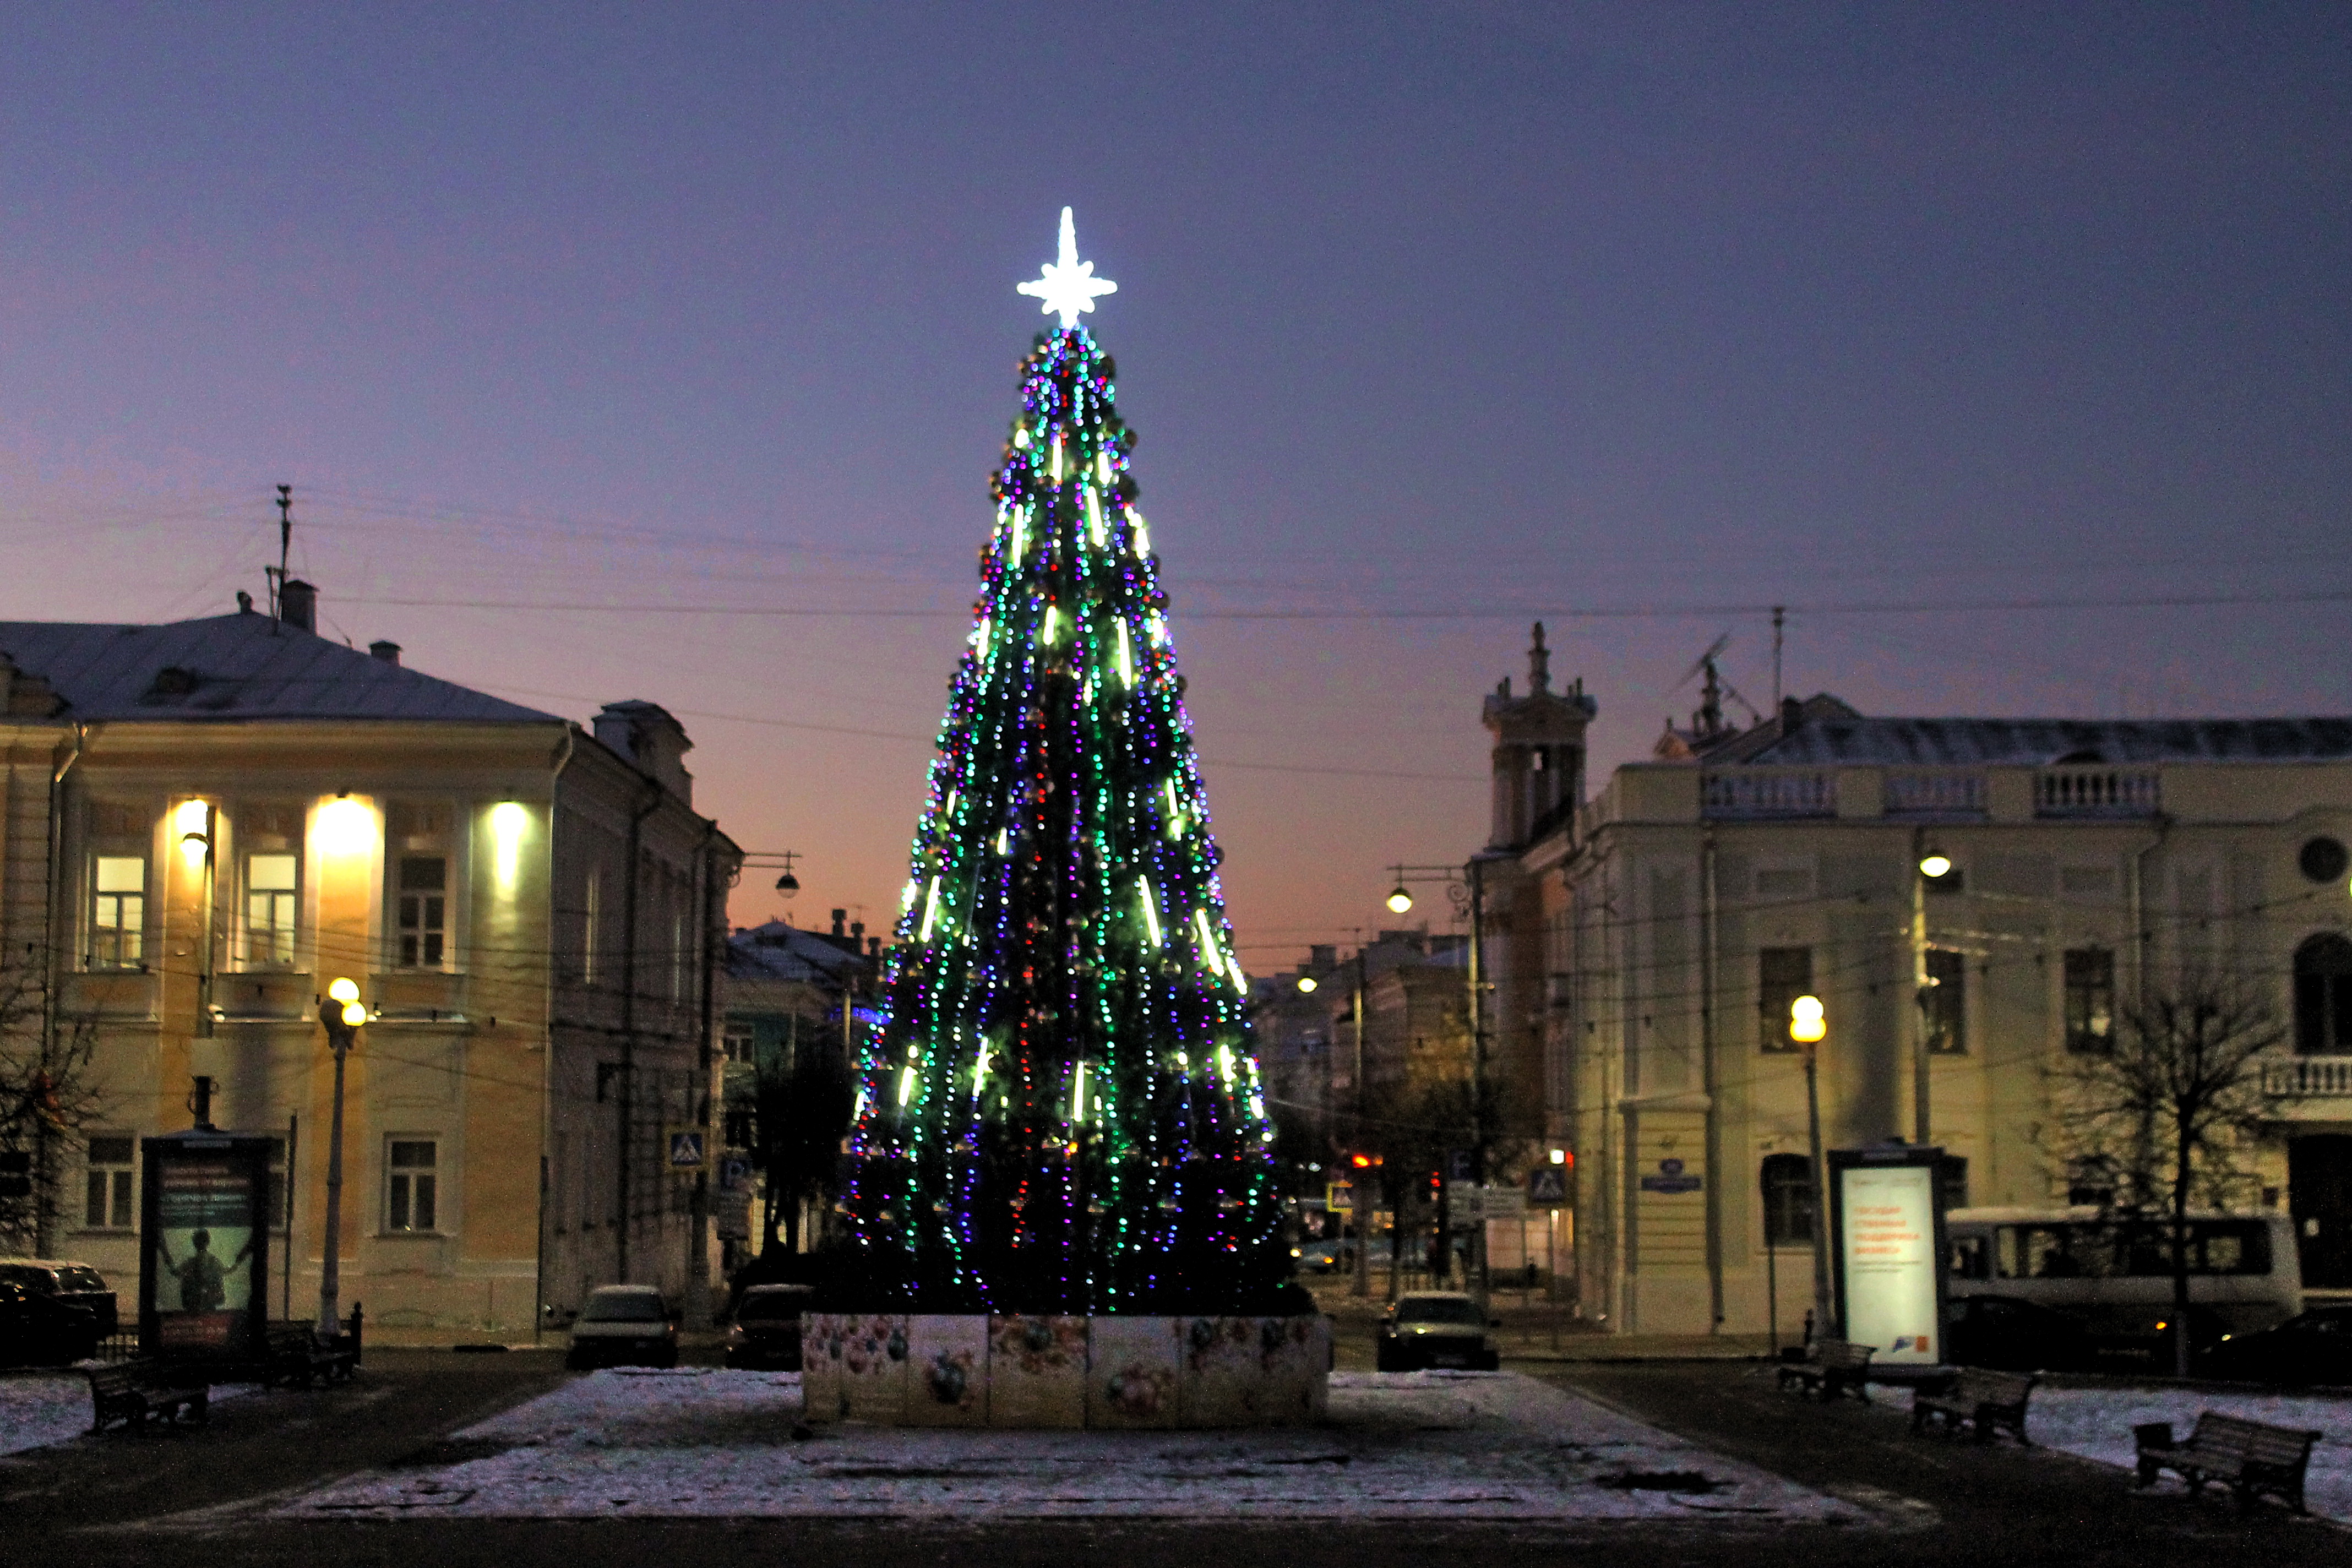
[1069, 285]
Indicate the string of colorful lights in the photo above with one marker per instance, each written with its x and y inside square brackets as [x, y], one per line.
[1059, 1109]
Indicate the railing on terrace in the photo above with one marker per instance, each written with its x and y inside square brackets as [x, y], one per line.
[1759, 794]
[1938, 793]
[2094, 792]
[2317, 1077]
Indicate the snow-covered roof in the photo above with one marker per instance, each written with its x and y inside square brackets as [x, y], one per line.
[779, 952]
[1828, 733]
[246, 665]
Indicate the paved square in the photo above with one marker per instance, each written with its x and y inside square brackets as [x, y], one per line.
[701, 1443]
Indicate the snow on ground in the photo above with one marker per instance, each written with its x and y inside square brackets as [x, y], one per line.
[705, 1443]
[2096, 1423]
[40, 1408]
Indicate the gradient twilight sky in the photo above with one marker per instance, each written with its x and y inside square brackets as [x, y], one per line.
[697, 322]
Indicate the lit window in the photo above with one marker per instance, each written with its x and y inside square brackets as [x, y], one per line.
[2091, 1001]
[1782, 975]
[409, 1185]
[108, 1196]
[1945, 1002]
[271, 884]
[118, 917]
[424, 910]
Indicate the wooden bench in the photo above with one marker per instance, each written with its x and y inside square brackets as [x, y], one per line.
[2249, 1458]
[298, 1355]
[1978, 1397]
[132, 1391]
[1838, 1366]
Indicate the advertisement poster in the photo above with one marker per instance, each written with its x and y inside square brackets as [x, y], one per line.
[205, 1239]
[1887, 1259]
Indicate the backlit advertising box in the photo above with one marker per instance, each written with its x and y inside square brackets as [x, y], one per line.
[203, 1266]
[1886, 1224]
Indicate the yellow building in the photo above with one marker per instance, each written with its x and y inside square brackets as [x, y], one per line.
[207, 821]
[1645, 945]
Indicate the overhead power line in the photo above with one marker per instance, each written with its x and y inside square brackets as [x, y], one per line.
[1509, 612]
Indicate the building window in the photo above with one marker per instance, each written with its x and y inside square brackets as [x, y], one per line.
[2091, 1001]
[1788, 1200]
[592, 901]
[739, 1044]
[2322, 996]
[1944, 1004]
[424, 910]
[1783, 975]
[109, 1204]
[409, 1183]
[118, 916]
[272, 884]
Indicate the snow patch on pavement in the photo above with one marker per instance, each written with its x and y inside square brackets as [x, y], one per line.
[703, 1443]
[38, 1409]
[2096, 1424]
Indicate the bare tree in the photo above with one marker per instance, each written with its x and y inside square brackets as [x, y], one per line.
[2169, 1111]
[49, 1097]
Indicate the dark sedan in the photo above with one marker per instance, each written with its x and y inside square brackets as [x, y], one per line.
[767, 1332]
[2014, 1335]
[2315, 1347]
[39, 1330]
[1434, 1327]
[75, 1284]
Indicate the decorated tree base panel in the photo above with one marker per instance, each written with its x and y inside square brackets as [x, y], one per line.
[917, 1370]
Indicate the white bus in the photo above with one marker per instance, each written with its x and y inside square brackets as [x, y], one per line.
[2114, 1276]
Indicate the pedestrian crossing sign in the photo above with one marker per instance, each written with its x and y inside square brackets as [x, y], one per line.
[686, 1149]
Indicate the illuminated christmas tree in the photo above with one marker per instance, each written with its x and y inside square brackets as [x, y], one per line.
[1059, 1107]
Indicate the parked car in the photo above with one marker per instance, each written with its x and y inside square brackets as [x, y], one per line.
[77, 1284]
[40, 1331]
[2315, 1347]
[2015, 1336]
[767, 1332]
[624, 1325]
[1436, 1328]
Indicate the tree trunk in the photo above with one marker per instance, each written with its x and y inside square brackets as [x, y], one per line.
[2181, 1156]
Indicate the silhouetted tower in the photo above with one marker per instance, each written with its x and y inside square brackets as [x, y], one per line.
[1539, 753]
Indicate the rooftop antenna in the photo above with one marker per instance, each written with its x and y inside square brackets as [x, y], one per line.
[1779, 615]
[1707, 721]
[277, 574]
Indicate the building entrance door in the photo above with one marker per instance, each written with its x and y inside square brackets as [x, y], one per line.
[2319, 1194]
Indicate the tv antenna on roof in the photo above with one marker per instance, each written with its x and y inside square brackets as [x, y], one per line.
[1708, 721]
[277, 574]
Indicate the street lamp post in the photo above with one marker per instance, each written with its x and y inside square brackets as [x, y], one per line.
[342, 1013]
[1465, 889]
[1806, 1027]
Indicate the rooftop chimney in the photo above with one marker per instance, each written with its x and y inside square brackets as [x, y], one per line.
[838, 917]
[297, 606]
[1792, 714]
[387, 651]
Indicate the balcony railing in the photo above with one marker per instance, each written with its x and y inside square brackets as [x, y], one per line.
[2096, 791]
[2308, 1078]
[1747, 794]
[1934, 794]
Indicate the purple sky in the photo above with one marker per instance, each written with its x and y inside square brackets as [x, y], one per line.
[1500, 311]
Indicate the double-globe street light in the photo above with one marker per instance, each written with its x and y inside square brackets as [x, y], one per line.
[342, 1012]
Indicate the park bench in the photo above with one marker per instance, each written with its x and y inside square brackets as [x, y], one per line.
[132, 1391]
[1837, 1366]
[1977, 1396]
[298, 1355]
[2249, 1458]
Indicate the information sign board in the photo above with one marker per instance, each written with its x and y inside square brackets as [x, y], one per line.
[1886, 1221]
[204, 1262]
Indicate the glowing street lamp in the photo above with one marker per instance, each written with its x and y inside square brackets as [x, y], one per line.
[1808, 1024]
[1400, 900]
[342, 1013]
[1307, 982]
[1935, 865]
